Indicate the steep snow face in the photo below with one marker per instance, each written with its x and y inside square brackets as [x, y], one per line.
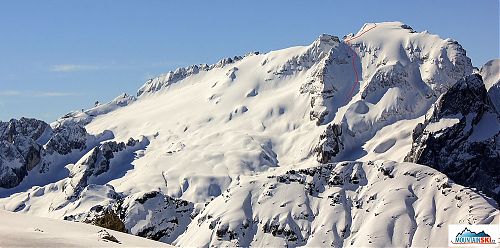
[248, 114]
[237, 119]
[19, 230]
[336, 205]
[491, 77]
[402, 74]
[439, 62]
[491, 73]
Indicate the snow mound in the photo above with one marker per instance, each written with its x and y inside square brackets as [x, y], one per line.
[20, 230]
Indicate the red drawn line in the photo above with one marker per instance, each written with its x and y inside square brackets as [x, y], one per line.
[353, 55]
[357, 36]
[356, 82]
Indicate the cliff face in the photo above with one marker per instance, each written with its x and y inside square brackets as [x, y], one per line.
[30, 146]
[19, 150]
[461, 137]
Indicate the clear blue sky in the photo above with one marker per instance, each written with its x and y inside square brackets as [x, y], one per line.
[58, 56]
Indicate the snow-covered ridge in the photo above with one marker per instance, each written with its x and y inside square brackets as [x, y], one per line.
[84, 117]
[163, 81]
[441, 62]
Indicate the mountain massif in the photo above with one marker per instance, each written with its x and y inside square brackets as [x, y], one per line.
[379, 138]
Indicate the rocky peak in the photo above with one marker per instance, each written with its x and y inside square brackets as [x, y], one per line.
[466, 96]
[19, 150]
[27, 127]
[326, 40]
[67, 138]
[461, 137]
[322, 46]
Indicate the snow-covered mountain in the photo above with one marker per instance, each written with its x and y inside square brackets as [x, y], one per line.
[301, 146]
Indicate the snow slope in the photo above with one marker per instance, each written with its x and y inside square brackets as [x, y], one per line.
[253, 114]
[336, 205]
[491, 73]
[166, 160]
[21, 230]
[491, 76]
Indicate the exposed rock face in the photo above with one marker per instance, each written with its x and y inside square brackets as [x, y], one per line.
[67, 138]
[19, 150]
[27, 127]
[95, 164]
[105, 235]
[109, 219]
[461, 137]
[166, 217]
[333, 62]
[330, 144]
[316, 52]
[152, 215]
[322, 90]
[29, 143]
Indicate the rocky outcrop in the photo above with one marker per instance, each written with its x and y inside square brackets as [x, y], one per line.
[315, 53]
[320, 87]
[330, 143]
[19, 150]
[67, 138]
[106, 236]
[151, 215]
[24, 127]
[96, 163]
[461, 137]
[29, 143]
